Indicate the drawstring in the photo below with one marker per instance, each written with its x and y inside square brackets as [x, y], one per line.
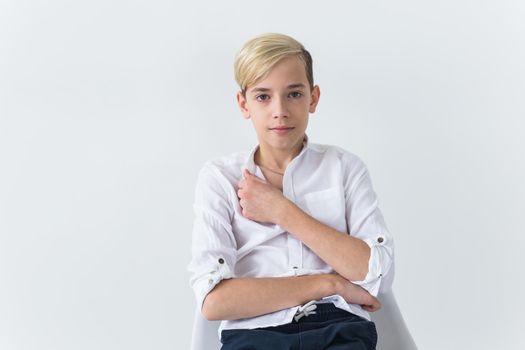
[306, 310]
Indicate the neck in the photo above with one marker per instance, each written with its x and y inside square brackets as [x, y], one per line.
[276, 159]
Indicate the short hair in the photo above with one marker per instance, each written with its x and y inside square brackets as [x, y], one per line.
[261, 53]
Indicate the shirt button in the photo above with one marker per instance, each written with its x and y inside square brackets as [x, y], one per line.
[210, 281]
[221, 261]
[380, 239]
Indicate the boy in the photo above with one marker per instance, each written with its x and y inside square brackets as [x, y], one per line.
[289, 247]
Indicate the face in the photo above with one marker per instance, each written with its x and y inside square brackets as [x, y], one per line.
[279, 105]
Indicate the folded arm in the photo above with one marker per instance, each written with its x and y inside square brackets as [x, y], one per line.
[363, 254]
[249, 297]
[347, 255]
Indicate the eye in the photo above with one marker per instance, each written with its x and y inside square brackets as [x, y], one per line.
[295, 94]
[262, 97]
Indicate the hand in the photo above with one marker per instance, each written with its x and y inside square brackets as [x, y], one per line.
[260, 200]
[354, 294]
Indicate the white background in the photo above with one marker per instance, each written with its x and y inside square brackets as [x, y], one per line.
[108, 109]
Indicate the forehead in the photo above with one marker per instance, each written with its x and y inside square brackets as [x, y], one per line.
[288, 71]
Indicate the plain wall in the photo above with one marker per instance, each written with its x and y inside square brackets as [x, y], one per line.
[108, 109]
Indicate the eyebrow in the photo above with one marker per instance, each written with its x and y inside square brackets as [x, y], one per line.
[291, 86]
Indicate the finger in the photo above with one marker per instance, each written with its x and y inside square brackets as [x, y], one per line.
[255, 177]
[376, 305]
[370, 308]
[366, 308]
[247, 174]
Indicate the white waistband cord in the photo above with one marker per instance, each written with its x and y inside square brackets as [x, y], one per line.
[305, 310]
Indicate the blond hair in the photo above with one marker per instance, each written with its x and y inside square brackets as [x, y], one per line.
[261, 53]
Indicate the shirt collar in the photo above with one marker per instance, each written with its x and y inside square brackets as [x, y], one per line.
[250, 162]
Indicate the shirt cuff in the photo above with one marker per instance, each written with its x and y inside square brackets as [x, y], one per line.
[218, 271]
[379, 265]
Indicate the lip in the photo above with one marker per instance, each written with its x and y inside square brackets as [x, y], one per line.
[282, 129]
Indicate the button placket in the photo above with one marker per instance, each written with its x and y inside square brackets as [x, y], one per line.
[295, 254]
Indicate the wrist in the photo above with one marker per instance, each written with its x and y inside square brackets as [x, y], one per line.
[332, 284]
[285, 207]
[323, 285]
[290, 216]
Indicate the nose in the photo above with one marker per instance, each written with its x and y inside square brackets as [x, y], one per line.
[280, 109]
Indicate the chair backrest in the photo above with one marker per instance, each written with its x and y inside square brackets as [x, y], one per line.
[393, 333]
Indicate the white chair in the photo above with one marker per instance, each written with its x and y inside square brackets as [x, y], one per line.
[393, 333]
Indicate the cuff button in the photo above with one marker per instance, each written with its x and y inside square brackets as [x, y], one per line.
[380, 239]
[221, 261]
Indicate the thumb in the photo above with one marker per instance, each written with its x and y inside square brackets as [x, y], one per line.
[247, 175]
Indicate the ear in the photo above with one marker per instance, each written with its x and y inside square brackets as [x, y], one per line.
[243, 105]
[316, 94]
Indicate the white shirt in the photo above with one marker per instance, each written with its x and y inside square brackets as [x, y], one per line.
[327, 182]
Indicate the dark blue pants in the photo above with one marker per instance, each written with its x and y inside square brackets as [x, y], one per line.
[330, 329]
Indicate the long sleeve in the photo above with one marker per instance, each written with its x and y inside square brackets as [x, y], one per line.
[365, 221]
[213, 243]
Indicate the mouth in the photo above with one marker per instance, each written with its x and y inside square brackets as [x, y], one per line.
[280, 130]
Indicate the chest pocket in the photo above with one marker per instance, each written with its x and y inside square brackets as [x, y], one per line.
[327, 206]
